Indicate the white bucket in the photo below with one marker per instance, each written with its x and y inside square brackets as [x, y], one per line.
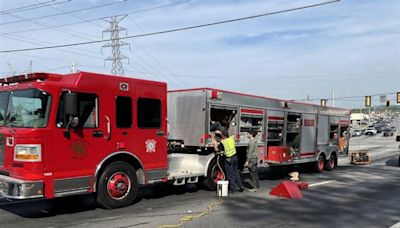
[222, 188]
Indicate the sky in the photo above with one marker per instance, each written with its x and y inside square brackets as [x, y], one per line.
[350, 48]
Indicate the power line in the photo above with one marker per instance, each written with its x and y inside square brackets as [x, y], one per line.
[63, 13]
[34, 41]
[72, 33]
[154, 58]
[71, 14]
[99, 18]
[136, 11]
[350, 97]
[33, 6]
[175, 30]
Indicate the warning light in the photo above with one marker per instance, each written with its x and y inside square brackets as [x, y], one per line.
[367, 101]
[217, 95]
[323, 102]
[398, 98]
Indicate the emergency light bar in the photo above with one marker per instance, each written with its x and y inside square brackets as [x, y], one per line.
[24, 78]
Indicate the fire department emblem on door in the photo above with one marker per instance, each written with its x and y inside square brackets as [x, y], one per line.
[150, 145]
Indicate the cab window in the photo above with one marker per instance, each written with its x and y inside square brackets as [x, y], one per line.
[149, 113]
[87, 111]
[124, 112]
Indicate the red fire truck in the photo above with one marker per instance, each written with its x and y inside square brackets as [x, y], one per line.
[84, 132]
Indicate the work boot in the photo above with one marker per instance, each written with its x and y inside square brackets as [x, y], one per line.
[253, 189]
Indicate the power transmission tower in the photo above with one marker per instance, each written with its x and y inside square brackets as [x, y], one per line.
[115, 44]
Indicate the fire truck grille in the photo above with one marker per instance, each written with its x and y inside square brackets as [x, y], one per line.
[1, 149]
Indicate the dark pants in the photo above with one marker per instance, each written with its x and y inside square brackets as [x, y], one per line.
[232, 172]
[255, 183]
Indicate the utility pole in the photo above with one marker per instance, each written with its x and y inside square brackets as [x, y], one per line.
[333, 97]
[115, 44]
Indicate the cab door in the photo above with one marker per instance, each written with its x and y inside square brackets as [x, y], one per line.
[151, 129]
[71, 161]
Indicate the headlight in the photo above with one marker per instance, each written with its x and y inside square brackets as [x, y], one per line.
[30, 153]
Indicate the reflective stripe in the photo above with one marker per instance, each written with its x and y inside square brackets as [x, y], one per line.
[229, 147]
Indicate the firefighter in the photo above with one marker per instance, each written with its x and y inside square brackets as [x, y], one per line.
[227, 145]
[342, 142]
[251, 160]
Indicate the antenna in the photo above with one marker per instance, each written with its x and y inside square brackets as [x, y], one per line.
[28, 70]
[115, 44]
[12, 72]
[73, 67]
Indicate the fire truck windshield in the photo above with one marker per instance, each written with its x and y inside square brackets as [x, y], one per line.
[28, 108]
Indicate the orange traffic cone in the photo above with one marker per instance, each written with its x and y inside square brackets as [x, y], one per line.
[289, 189]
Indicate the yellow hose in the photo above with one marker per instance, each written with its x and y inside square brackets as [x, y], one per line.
[188, 218]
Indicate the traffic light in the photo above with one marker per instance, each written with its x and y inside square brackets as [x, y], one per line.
[323, 102]
[398, 98]
[387, 103]
[367, 101]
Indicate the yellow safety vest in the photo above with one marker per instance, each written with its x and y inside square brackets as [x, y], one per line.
[229, 147]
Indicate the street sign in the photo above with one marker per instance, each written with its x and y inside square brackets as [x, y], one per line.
[323, 102]
[367, 101]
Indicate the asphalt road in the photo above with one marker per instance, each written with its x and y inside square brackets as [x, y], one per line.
[351, 196]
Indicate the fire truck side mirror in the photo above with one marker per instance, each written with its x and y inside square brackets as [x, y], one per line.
[71, 104]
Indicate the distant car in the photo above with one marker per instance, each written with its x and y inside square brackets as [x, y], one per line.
[393, 128]
[356, 133]
[370, 131]
[387, 132]
[378, 129]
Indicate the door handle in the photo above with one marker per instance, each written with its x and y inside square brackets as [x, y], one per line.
[108, 128]
[160, 133]
[97, 134]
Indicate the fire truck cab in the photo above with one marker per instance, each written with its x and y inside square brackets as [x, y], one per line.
[70, 134]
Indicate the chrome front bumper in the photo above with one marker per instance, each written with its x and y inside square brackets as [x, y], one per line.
[13, 188]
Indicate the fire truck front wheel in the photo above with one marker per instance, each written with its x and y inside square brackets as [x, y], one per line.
[117, 185]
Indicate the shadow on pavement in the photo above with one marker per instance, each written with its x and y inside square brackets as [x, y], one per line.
[83, 203]
[356, 201]
[48, 208]
[394, 162]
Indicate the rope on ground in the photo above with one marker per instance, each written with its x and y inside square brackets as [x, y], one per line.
[188, 218]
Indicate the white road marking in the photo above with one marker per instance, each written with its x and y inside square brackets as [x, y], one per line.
[397, 225]
[320, 183]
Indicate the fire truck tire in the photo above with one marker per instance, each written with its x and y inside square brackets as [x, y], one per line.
[117, 185]
[331, 163]
[319, 164]
[209, 182]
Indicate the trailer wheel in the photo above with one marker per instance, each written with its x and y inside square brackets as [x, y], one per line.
[117, 185]
[214, 174]
[319, 164]
[331, 163]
